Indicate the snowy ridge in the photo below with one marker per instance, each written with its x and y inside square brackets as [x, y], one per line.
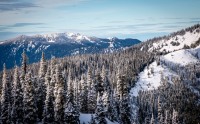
[176, 42]
[59, 36]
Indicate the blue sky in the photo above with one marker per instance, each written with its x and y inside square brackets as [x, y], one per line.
[140, 19]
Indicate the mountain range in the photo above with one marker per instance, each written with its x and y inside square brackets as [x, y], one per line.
[57, 45]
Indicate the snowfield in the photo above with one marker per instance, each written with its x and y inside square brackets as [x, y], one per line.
[150, 81]
[182, 57]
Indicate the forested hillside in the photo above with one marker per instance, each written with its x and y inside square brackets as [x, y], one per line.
[141, 84]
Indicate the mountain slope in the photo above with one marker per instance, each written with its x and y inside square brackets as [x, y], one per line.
[177, 59]
[57, 45]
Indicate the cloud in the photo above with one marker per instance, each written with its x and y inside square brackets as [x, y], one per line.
[3, 28]
[25, 24]
[13, 6]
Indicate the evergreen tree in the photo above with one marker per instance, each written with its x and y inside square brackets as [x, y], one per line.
[17, 93]
[84, 96]
[59, 80]
[5, 98]
[48, 112]
[152, 119]
[125, 111]
[159, 110]
[41, 87]
[71, 113]
[24, 63]
[92, 97]
[89, 78]
[59, 97]
[29, 101]
[99, 83]
[23, 69]
[167, 117]
[59, 106]
[100, 113]
[175, 119]
[161, 121]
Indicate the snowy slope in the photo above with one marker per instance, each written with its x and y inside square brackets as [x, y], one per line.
[151, 81]
[167, 44]
[182, 57]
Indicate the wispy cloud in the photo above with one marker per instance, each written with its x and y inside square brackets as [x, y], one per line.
[13, 6]
[17, 25]
[25, 24]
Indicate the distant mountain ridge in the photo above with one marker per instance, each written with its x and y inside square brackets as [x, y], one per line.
[57, 45]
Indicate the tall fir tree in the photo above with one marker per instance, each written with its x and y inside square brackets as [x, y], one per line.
[175, 119]
[5, 98]
[71, 112]
[84, 96]
[167, 117]
[59, 97]
[92, 97]
[152, 119]
[100, 112]
[41, 87]
[48, 111]
[23, 69]
[30, 115]
[17, 93]
[159, 111]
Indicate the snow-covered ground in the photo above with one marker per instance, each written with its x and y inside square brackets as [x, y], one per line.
[182, 57]
[187, 39]
[150, 78]
[87, 117]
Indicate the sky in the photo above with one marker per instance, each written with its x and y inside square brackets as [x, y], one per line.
[141, 19]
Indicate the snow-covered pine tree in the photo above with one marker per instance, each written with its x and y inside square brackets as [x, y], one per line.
[167, 117]
[152, 119]
[53, 66]
[159, 110]
[119, 91]
[123, 100]
[23, 69]
[89, 78]
[92, 94]
[30, 115]
[17, 94]
[24, 63]
[59, 106]
[161, 121]
[100, 113]
[84, 96]
[175, 119]
[71, 114]
[41, 87]
[70, 88]
[5, 98]
[99, 83]
[59, 97]
[92, 97]
[48, 111]
[59, 80]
